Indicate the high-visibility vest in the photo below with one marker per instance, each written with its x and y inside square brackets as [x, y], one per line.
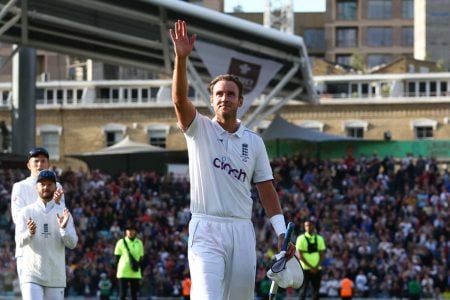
[346, 287]
[186, 287]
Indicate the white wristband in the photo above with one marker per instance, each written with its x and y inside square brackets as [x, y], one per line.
[278, 224]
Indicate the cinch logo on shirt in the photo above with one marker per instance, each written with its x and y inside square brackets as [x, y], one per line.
[224, 166]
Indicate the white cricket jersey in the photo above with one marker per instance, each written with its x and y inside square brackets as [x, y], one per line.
[222, 167]
[24, 193]
[44, 252]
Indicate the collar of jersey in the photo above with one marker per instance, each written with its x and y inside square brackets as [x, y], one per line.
[219, 129]
[49, 206]
[32, 179]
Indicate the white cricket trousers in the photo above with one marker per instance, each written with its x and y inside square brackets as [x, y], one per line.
[33, 291]
[222, 258]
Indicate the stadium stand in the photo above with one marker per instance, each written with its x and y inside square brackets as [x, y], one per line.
[385, 221]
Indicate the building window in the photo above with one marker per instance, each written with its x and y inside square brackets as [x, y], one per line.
[6, 98]
[423, 132]
[312, 125]
[157, 134]
[356, 132]
[424, 128]
[114, 133]
[379, 36]
[50, 136]
[377, 59]
[346, 10]
[113, 137]
[407, 37]
[379, 9]
[346, 37]
[356, 128]
[344, 59]
[314, 38]
[408, 9]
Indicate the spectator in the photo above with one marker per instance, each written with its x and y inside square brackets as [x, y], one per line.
[414, 288]
[347, 288]
[186, 287]
[104, 287]
[127, 249]
[427, 286]
[99, 207]
[361, 284]
[333, 286]
[311, 251]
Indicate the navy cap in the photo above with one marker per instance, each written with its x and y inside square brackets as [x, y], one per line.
[46, 175]
[38, 151]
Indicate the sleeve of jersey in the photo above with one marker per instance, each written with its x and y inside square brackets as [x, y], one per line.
[193, 127]
[69, 235]
[263, 170]
[16, 202]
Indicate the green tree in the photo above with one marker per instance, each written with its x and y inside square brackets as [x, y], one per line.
[358, 61]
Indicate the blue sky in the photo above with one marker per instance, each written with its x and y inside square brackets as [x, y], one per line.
[258, 5]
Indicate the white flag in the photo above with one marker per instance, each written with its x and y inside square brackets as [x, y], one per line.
[254, 72]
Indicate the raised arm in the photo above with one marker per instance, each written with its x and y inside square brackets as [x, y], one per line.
[183, 45]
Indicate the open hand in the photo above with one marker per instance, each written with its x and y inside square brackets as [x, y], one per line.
[183, 45]
[58, 195]
[62, 220]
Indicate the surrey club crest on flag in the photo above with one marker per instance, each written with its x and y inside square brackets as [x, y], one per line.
[247, 72]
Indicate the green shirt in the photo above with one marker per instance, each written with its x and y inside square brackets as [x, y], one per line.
[312, 258]
[105, 286]
[124, 266]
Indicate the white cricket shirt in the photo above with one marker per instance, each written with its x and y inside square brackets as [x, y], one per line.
[222, 167]
[44, 252]
[24, 193]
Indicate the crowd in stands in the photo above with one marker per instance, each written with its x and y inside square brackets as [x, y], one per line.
[386, 224]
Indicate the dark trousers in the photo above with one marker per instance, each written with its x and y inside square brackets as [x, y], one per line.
[123, 288]
[313, 279]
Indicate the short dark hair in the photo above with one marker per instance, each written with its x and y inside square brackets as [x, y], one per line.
[131, 226]
[226, 77]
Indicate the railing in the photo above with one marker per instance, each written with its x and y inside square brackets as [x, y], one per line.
[332, 89]
[414, 87]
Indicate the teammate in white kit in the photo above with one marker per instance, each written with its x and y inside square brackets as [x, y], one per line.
[225, 158]
[24, 192]
[43, 231]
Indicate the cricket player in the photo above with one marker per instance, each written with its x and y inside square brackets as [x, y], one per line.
[43, 231]
[24, 192]
[225, 159]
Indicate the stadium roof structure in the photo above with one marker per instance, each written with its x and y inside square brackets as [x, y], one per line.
[135, 33]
